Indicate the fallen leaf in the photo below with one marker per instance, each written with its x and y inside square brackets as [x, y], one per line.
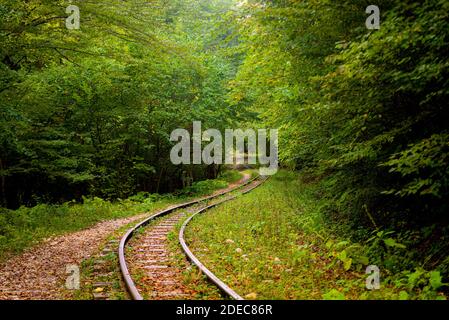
[251, 296]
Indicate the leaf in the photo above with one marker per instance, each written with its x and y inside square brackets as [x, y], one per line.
[342, 255]
[334, 294]
[435, 279]
[251, 296]
[390, 242]
[403, 295]
[362, 259]
[347, 264]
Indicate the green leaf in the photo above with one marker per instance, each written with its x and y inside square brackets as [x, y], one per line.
[390, 242]
[347, 264]
[435, 280]
[334, 294]
[403, 295]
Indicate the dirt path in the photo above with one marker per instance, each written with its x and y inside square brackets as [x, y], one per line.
[40, 272]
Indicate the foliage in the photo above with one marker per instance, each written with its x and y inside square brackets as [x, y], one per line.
[362, 110]
[363, 113]
[27, 226]
[275, 242]
[230, 176]
[90, 111]
[360, 106]
[202, 187]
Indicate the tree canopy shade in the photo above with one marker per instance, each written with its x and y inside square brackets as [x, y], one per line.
[366, 108]
[91, 110]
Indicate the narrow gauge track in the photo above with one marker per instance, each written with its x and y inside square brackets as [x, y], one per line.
[151, 254]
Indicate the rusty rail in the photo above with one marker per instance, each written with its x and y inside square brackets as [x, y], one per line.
[129, 283]
[210, 275]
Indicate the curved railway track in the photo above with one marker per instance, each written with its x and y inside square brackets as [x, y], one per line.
[151, 254]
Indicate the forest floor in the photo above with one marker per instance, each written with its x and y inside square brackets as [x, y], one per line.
[40, 272]
[276, 243]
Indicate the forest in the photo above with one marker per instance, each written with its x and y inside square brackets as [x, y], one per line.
[86, 116]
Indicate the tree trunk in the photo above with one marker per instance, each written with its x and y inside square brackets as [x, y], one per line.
[3, 184]
[159, 180]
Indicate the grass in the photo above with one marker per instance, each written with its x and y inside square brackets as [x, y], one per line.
[110, 273]
[25, 227]
[274, 243]
[199, 287]
[230, 176]
[192, 277]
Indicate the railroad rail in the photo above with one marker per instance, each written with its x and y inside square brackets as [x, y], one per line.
[129, 282]
[209, 274]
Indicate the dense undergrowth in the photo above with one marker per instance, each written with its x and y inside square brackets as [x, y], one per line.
[28, 225]
[277, 243]
[362, 111]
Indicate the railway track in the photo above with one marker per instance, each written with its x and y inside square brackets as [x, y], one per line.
[145, 260]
